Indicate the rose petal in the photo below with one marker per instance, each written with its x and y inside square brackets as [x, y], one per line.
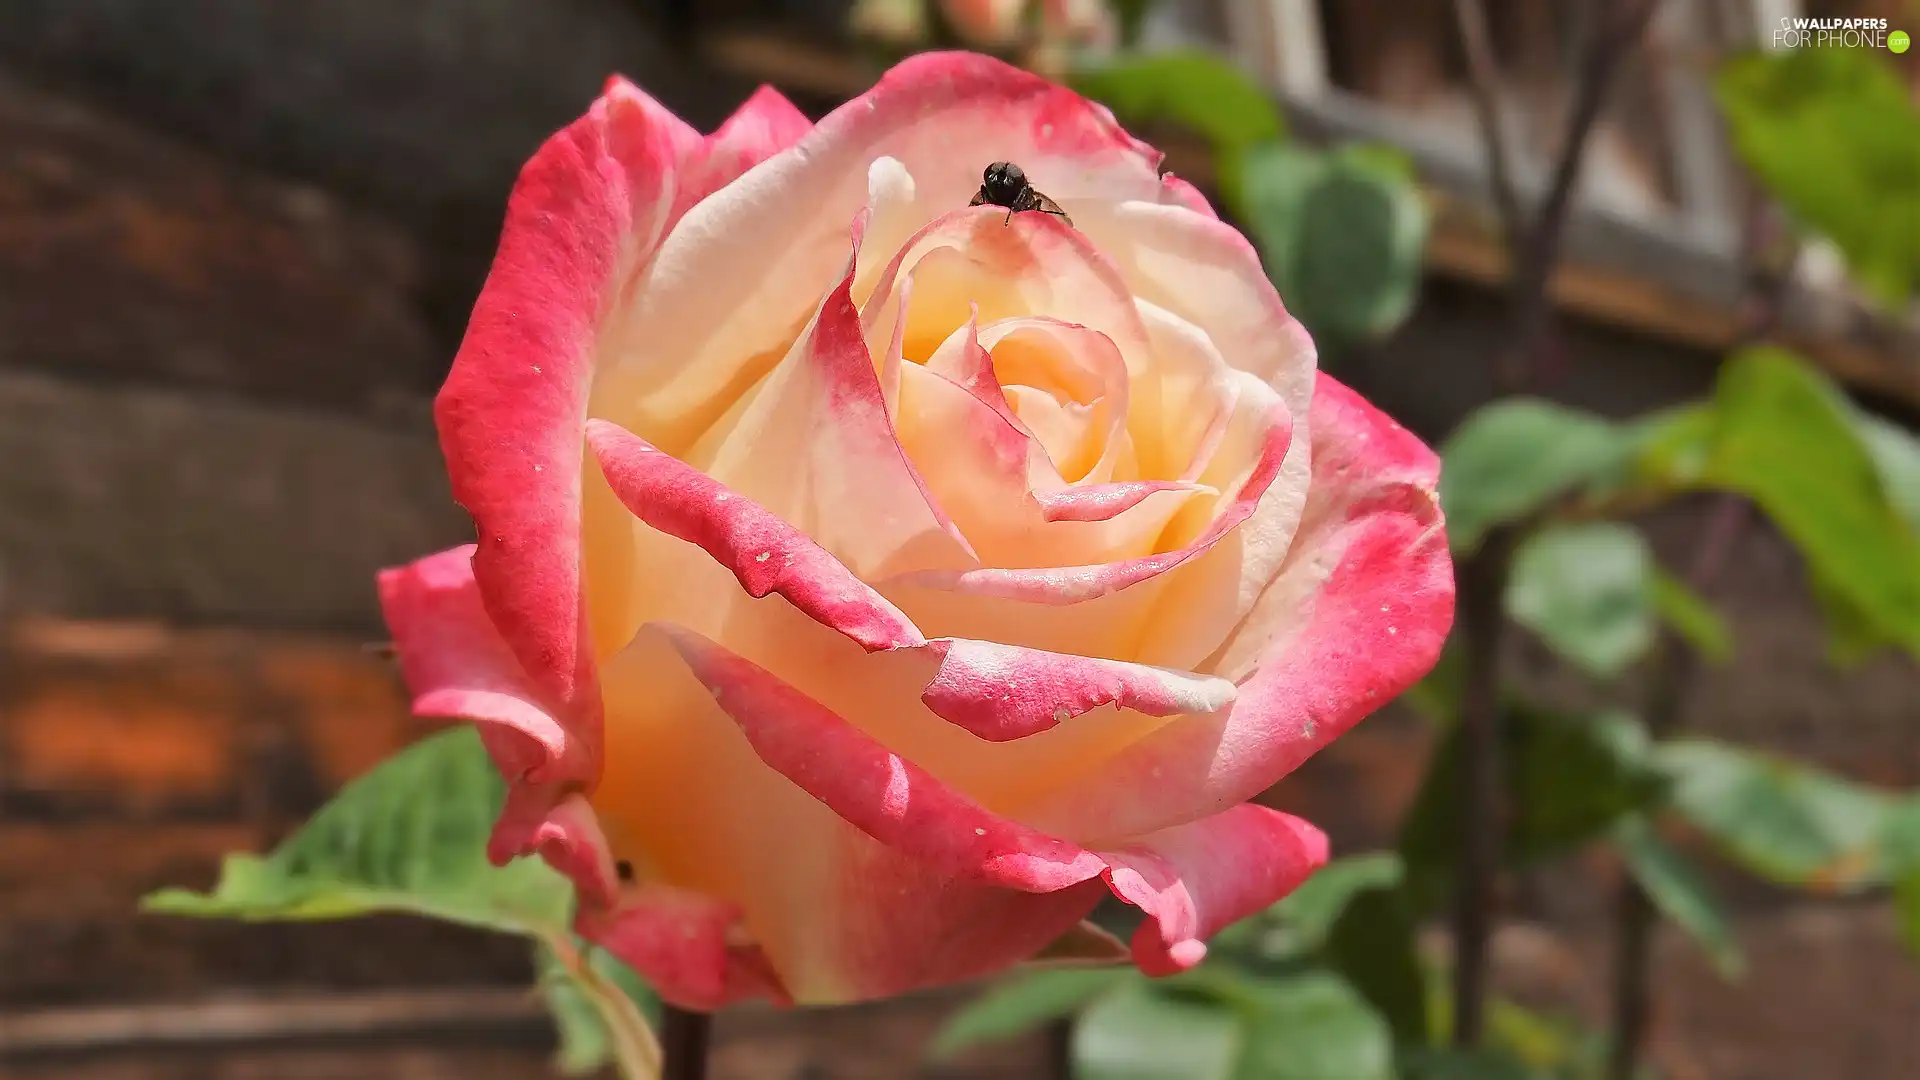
[882, 794]
[585, 218]
[743, 270]
[1194, 880]
[1058, 585]
[1003, 692]
[765, 553]
[680, 942]
[840, 915]
[459, 667]
[1104, 502]
[765, 124]
[1191, 880]
[1357, 613]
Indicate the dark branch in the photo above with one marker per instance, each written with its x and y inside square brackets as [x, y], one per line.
[1483, 578]
[1483, 80]
[1676, 665]
[684, 1037]
[1620, 29]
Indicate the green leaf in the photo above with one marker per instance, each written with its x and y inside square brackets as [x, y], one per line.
[1024, 1002]
[1691, 617]
[1375, 946]
[1906, 903]
[1586, 590]
[1193, 89]
[1513, 458]
[1784, 821]
[1312, 909]
[1451, 1063]
[1567, 777]
[1140, 1033]
[1312, 1026]
[1832, 134]
[1785, 438]
[576, 1000]
[1341, 234]
[1896, 455]
[1679, 892]
[409, 836]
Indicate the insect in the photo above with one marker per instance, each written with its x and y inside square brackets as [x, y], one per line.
[1005, 184]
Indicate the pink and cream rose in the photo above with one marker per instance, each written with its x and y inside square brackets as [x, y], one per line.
[865, 585]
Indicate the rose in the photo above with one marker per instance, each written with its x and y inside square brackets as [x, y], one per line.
[867, 582]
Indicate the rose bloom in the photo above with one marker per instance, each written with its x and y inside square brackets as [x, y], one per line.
[867, 584]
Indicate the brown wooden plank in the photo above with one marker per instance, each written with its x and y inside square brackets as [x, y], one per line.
[132, 720]
[125, 254]
[124, 501]
[410, 1060]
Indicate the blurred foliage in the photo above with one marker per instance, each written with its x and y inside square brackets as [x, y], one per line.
[1514, 458]
[1191, 89]
[1835, 138]
[411, 836]
[1342, 234]
[1587, 590]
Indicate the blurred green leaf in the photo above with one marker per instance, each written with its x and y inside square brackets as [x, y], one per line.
[1313, 908]
[1679, 892]
[573, 997]
[1312, 1026]
[1198, 90]
[1782, 820]
[1341, 234]
[1691, 617]
[1450, 1063]
[1139, 1032]
[1586, 590]
[409, 836]
[1906, 903]
[1515, 457]
[1833, 135]
[1568, 779]
[1896, 454]
[1436, 697]
[1023, 1002]
[1783, 436]
[1375, 945]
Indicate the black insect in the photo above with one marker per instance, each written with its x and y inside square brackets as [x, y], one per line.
[1005, 184]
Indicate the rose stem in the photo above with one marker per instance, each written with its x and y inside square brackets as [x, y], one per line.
[1675, 664]
[684, 1036]
[1534, 253]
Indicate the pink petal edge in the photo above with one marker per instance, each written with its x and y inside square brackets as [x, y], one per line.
[1191, 880]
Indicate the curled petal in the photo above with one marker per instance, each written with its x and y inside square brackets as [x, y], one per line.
[1075, 584]
[687, 945]
[459, 668]
[765, 124]
[1191, 880]
[1194, 880]
[1357, 613]
[1102, 502]
[1003, 692]
[765, 553]
[888, 798]
[816, 445]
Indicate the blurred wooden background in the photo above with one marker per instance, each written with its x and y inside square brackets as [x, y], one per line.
[237, 246]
